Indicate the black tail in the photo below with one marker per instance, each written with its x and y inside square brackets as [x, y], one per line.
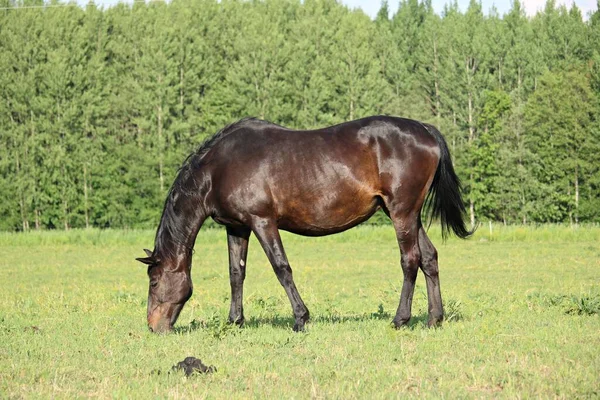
[444, 198]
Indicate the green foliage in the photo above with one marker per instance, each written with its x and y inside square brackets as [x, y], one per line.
[99, 107]
[562, 134]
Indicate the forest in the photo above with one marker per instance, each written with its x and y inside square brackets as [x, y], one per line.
[100, 106]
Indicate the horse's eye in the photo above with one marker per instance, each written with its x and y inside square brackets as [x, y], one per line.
[153, 283]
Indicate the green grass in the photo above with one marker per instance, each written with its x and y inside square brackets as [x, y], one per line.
[522, 308]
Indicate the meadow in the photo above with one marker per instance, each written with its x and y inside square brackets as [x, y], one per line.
[522, 319]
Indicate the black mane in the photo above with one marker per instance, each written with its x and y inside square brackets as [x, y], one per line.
[209, 143]
[171, 230]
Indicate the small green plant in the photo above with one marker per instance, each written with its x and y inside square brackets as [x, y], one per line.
[588, 304]
[583, 305]
[453, 310]
[380, 314]
[219, 327]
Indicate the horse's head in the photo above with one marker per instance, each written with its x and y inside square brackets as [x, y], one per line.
[170, 287]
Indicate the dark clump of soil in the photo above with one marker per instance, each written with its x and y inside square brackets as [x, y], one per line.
[193, 365]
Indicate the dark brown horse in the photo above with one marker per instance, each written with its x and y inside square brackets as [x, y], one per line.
[255, 176]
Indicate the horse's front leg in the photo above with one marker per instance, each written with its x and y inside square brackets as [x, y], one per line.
[237, 241]
[268, 235]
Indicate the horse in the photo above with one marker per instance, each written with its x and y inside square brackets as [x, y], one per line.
[257, 177]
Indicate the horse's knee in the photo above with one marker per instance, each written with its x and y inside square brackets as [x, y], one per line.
[410, 261]
[284, 274]
[430, 255]
[429, 262]
[430, 269]
[237, 277]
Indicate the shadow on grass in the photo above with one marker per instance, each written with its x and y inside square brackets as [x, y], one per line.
[276, 321]
[191, 327]
[287, 322]
[416, 322]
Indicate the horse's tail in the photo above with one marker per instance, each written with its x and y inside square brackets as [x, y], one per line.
[444, 199]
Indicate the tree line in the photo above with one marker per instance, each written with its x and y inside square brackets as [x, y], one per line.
[99, 107]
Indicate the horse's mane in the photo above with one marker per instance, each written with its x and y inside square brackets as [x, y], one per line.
[173, 225]
[209, 143]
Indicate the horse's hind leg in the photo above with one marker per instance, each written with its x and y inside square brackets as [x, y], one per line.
[429, 266]
[268, 235]
[237, 241]
[407, 233]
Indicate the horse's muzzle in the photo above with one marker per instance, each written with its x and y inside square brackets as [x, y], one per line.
[158, 319]
[162, 318]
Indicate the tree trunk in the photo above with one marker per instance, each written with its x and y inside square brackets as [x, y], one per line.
[576, 195]
[24, 221]
[570, 210]
[518, 129]
[471, 137]
[160, 149]
[522, 199]
[500, 72]
[181, 83]
[85, 197]
[454, 136]
[472, 210]
[65, 202]
[35, 199]
[65, 211]
[438, 113]
[471, 127]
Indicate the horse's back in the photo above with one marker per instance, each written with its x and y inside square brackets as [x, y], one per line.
[314, 182]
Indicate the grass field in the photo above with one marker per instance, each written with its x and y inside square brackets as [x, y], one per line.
[522, 309]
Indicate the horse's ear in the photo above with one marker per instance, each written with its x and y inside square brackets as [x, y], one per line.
[146, 260]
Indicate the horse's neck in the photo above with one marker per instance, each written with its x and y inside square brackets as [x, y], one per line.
[181, 220]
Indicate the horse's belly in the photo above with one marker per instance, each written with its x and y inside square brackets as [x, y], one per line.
[326, 216]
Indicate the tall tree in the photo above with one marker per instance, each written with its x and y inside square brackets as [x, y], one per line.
[469, 61]
[560, 120]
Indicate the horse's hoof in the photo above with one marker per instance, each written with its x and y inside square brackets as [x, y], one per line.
[400, 322]
[300, 323]
[434, 322]
[238, 321]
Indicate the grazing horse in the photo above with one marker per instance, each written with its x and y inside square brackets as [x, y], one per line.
[255, 176]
